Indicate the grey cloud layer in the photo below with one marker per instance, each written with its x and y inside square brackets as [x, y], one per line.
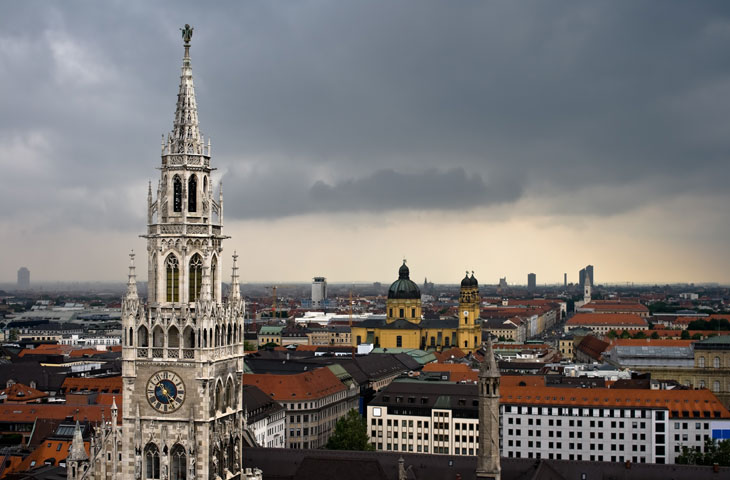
[321, 106]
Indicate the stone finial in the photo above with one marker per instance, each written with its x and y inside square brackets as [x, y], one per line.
[235, 294]
[132, 278]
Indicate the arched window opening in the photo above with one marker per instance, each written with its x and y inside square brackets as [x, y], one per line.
[214, 278]
[205, 183]
[219, 397]
[152, 461]
[178, 463]
[218, 462]
[176, 194]
[173, 279]
[716, 386]
[702, 362]
[231, 457]
[205, 338]
[192, 194]
[229, 394]
[716, 362]
[189, 337]
[173, 337]
[158, 337]
[143, 337]
[131, 337]
[195, 277]
[217, 336]
[228, 336]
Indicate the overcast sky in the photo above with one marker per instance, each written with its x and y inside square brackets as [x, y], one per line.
[503, 137]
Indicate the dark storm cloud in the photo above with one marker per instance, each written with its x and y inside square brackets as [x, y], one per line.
[320, 106]
[380, 191]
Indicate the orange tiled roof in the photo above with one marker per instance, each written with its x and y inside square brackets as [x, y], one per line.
[606, 319]
[447, 354]
[680, 403]
[93, 384]
[28, 413]
[22, 393]
[459, 371]
[302, 386]
[515, 380]
[57, 450]
[81, 352]
[47, 349]
[521, 346]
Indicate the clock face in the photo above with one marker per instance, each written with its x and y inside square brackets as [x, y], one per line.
[466, 313]
[165, 391]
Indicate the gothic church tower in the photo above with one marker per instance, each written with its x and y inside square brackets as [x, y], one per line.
[488, 464]
[182, 355]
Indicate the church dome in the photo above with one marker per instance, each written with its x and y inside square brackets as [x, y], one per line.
[467, 281]
[473, 280]
[404, 288]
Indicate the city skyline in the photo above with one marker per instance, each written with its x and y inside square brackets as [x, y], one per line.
[490, 138]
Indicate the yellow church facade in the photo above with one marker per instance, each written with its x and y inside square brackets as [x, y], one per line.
[403, 326]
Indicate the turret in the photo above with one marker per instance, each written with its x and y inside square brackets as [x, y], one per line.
[488, 463]
[77, 461]
[235, 295]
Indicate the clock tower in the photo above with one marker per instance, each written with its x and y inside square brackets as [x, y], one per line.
[182, 355]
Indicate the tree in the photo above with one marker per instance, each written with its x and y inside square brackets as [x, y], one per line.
[249, 346]
[625, 334]
[641, 334]
[655, 335]
[697, 336]
[612, 334]
[684, 335]
[714, 452]
[350, 433]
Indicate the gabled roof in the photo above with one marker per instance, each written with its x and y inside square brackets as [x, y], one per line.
[309, 385]
[606, 319]
[93, 384]
[21, 393]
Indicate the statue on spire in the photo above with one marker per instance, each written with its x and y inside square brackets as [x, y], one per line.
[187, 33]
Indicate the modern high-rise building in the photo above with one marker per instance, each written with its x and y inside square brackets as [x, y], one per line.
[23, 277]
[531, 281]
[319, 292]
[565, 279]
[588, 270]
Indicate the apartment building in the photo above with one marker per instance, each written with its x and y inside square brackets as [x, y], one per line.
[602, 323]
[266, 418]
[562, 423]
[314, 401]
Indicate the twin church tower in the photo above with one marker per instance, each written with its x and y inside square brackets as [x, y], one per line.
[182, 357]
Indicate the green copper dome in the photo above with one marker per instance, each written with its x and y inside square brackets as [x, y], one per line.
[404, 288]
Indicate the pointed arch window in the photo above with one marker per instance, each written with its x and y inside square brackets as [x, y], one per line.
[192, 194]
[196, 277]
[152, 461]
[178, 463]
[173, 279]
[176, 194]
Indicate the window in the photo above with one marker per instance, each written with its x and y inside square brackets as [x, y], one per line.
[716, 362]
[399, 341]
[716, 386]
[701, 362]
[401, 313]
[192, 194]
[195, 277]
[173, 278]
[413, 312]
[152, 461]
[176, 194]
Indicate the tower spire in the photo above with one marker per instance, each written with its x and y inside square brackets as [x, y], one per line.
[235, 288]
[488, 464]
[78, 452]
[132, 279]
[186, 132]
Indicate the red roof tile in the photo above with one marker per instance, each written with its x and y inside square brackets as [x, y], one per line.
[303, 386]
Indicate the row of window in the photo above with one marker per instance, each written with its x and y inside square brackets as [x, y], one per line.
[195, 278]
[716, 362]
[192, 193]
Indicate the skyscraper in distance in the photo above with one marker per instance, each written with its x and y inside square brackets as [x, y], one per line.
[531, 281]
[23, 277]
